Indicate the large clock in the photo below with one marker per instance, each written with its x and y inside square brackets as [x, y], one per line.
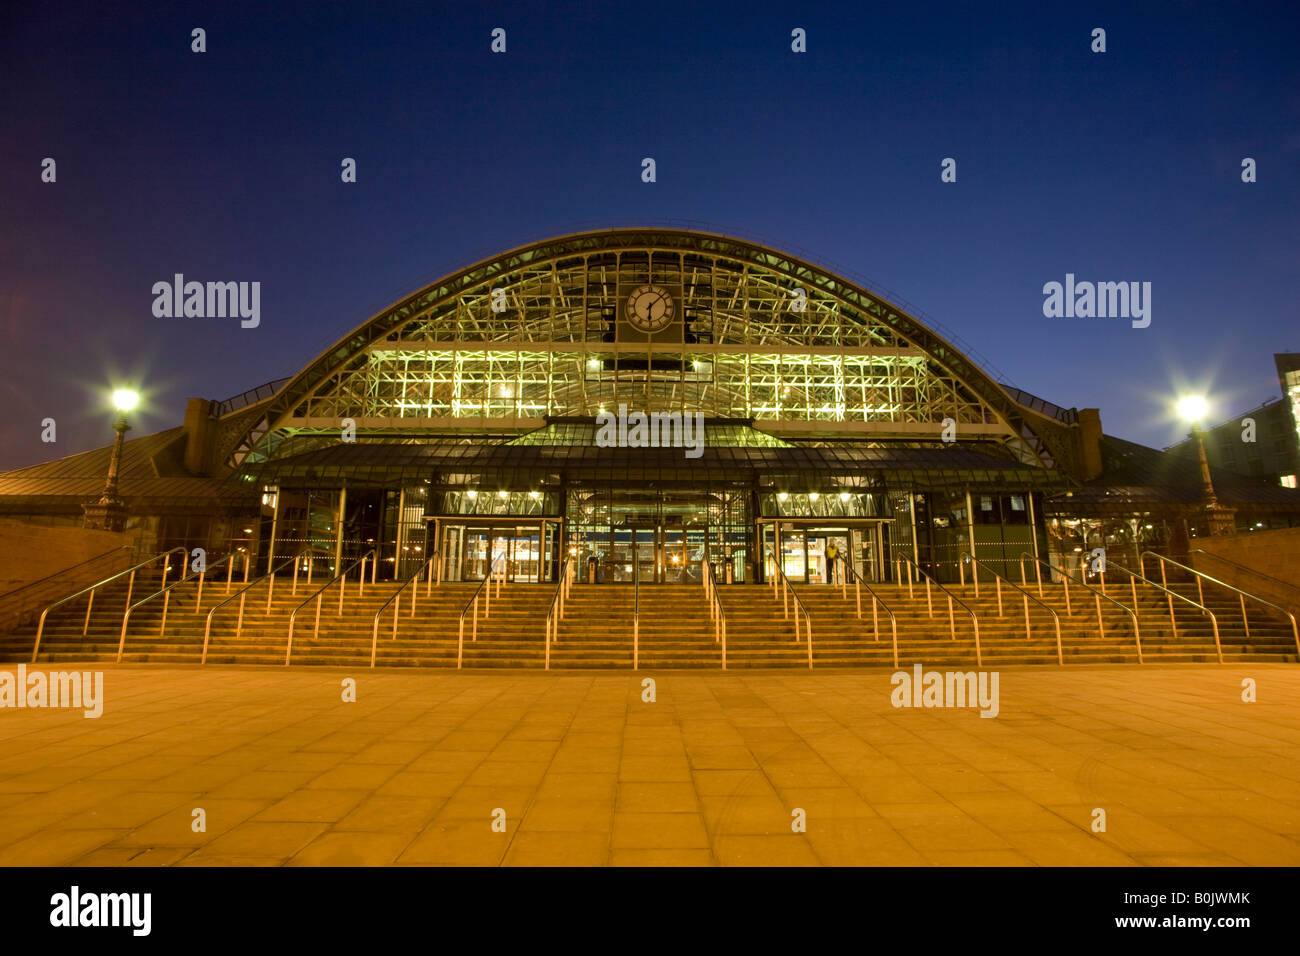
[650, 308]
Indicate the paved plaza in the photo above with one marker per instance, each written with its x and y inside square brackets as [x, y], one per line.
[578, 770]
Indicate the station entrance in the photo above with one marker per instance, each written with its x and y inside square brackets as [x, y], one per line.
[467, 550]
[813, 550]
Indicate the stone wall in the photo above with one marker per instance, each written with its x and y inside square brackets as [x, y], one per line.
[1274, 553]
[29, 552]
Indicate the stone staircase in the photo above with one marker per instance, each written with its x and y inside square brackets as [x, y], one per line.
[675, 630]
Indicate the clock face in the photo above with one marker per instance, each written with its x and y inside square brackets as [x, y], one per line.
[650, 308]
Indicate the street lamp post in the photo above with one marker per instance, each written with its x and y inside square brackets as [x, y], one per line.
[110, 511]
[1219, 519]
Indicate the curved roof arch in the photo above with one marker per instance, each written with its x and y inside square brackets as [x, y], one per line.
[767, 336]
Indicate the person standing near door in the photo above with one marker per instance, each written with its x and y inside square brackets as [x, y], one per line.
[832, 553]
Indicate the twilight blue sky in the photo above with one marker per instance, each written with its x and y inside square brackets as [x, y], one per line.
[225, 166]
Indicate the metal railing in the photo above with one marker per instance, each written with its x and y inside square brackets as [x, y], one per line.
[242, 594]
[396, 601]
[1242, 595]
[859, 582]
[636, 614]
[555, 614]
[717, 613]
[787, 591]
[166, 593]
[977, 564]
[17, 605]
[1134, 577]
[929, 603]
[484, 590]
[130, 587]
[342, 579]
[1039, 564]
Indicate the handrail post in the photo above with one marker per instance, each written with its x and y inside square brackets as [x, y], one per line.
[198, 602]
[929, 606]
[239, 623]
[952, 625]
[121, 641]
[295, 580]
[230, 574]
[1026, 597]
[167, 596]
[315, 634]
[270, 589]
[1101, 628]
[343, 590]
[875, 618]
[998, 582]
[1244, 622]
[857, 593]
[85, 627]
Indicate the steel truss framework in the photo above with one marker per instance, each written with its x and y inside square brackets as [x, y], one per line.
[799, 351]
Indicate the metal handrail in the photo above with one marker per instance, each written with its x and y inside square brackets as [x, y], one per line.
[860, 582]
[555, 613]
[397, 610]
[952, 624]
[717, 613]
[473, 603]
[1134, 577]
[1248, 570]
[1223, 584]
[165, 555]
[165, 593]
[636, 611]
[785, 585]
[242, 593]
[319, 594]
[1039, 563]
[998, 579]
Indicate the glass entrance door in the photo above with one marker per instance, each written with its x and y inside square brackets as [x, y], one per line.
[674, 561]
[645, 548]
[525, 560]
[826, 551]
